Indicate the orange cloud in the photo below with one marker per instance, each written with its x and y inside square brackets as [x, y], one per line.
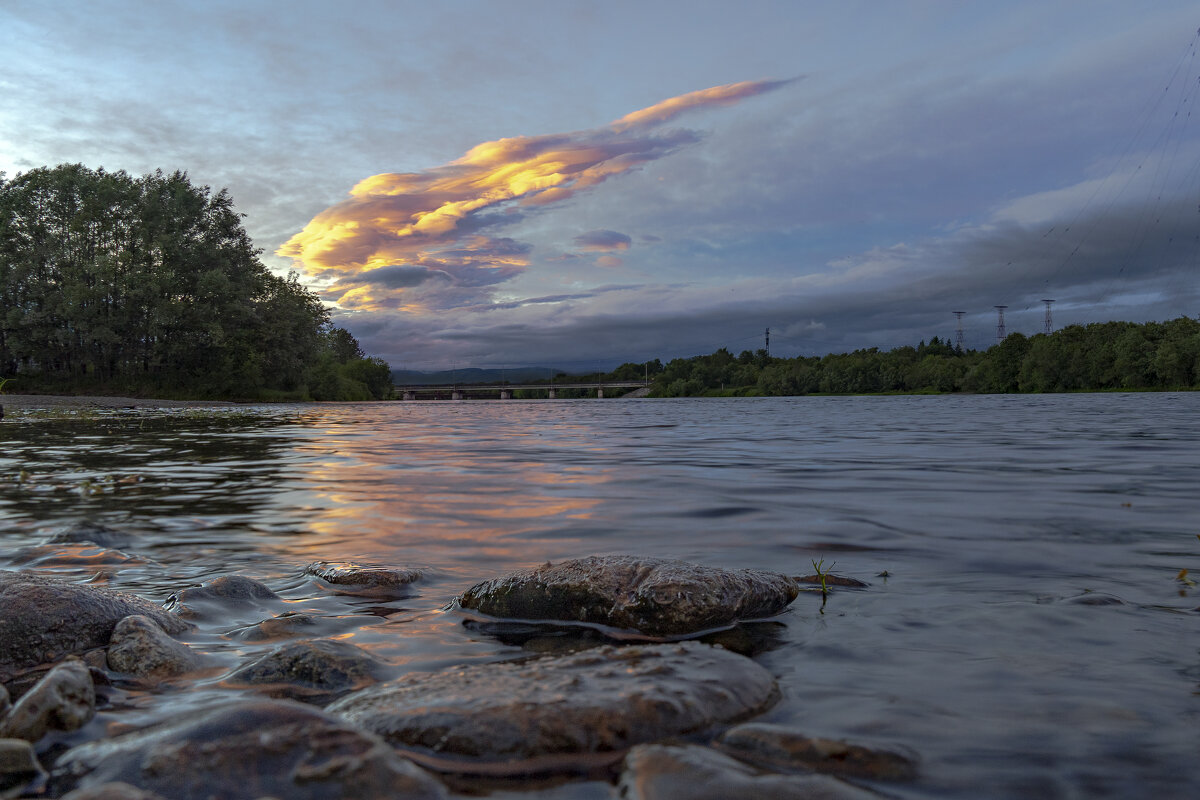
[419, 241]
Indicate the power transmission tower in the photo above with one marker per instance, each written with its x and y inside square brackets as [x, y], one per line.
[1049, 318]
[958, 331]
[1000, 332]
[768, 335]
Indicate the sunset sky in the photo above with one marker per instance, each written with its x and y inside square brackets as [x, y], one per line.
[578, 184]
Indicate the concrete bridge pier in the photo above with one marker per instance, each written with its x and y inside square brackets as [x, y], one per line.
[506, 394]
[456, 395]
[599, 392]
[552, 394]
[410, 396]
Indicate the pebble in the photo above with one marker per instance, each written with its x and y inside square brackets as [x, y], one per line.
[65, 700]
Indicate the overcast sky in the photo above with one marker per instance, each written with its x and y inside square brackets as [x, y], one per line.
[579, 184]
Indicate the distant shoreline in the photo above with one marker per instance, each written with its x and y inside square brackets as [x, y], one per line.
[57, 401]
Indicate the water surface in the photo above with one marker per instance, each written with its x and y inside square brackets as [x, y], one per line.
[1023, 633]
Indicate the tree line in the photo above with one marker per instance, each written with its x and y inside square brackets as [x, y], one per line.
[111, 283]
[1095, 357]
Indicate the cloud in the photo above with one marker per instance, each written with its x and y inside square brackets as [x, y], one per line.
[603, 241]
[448, 218]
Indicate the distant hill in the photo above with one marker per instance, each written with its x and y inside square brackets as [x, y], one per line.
[409, 377]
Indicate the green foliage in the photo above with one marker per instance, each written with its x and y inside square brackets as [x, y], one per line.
[1095, 357]
[151, 286]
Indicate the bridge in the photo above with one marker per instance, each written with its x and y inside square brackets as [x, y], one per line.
[454, 391]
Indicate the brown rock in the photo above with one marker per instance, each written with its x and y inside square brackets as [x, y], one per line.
[781, 748]
[222, 597]
[312, 670]
[649, 595]
[139, 647]
[559, 713]
[43, 620]
[355, 579]
[64, 700]
[242, 751]
[662, 772]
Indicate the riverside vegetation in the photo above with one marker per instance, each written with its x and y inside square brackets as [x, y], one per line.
[111, 284]
[1096, 357]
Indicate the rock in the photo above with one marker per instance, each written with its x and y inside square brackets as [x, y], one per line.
[312, 670]
[217, 598]
[781, 748]
[559, 713]
[652, 596]
[20, 771]
[672, 772]
[139, 647]
[81, 555]
[282, 627]
[247, 750]
[346, 578]
[43, 620]
[93, 533]
[64, 700]
[112, 791]
[5, 701]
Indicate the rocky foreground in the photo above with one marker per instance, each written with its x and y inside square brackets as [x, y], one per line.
[639, 701]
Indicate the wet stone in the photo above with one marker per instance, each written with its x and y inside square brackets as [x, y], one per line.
[5, 701]
[19, 768]
[112, 791]
[559, 713]
[43, 620]
[672, 772]
[93, 533]
[656, 597]
[312, 670]
[284, 626]
[140, 647]
[355, 579]
[220, 597]
[832, 580]
[782, 748]
[243, 751]
[65, 700]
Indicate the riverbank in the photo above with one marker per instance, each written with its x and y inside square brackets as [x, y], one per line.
[56, 401]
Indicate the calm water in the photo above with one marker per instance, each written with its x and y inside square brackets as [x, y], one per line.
[1029, 639]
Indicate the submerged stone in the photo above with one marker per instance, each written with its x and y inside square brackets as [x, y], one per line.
[112, 791]
[43, 620]
[652, 596]
[346, 578]
[780, 747]
[312, 670]
[282, 627]
[20, 771]
[94, 533]
[140, 647]
[559, 713]
[64, 699]
[674, 772]
[220, 596]
[266, 748]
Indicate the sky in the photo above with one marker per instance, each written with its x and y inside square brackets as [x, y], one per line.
[580, 184]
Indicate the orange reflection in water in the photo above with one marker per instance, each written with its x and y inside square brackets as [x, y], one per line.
[393, 502]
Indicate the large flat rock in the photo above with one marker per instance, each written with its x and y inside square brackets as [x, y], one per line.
[43, 620]
[653, 596]
[248, 750]
[559, 713]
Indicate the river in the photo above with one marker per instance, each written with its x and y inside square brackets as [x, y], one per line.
[1023, 634]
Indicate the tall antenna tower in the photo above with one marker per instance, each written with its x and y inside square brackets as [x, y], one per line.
[1000, 332]
[768, 336]
[1049, 318]
[958, 331]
